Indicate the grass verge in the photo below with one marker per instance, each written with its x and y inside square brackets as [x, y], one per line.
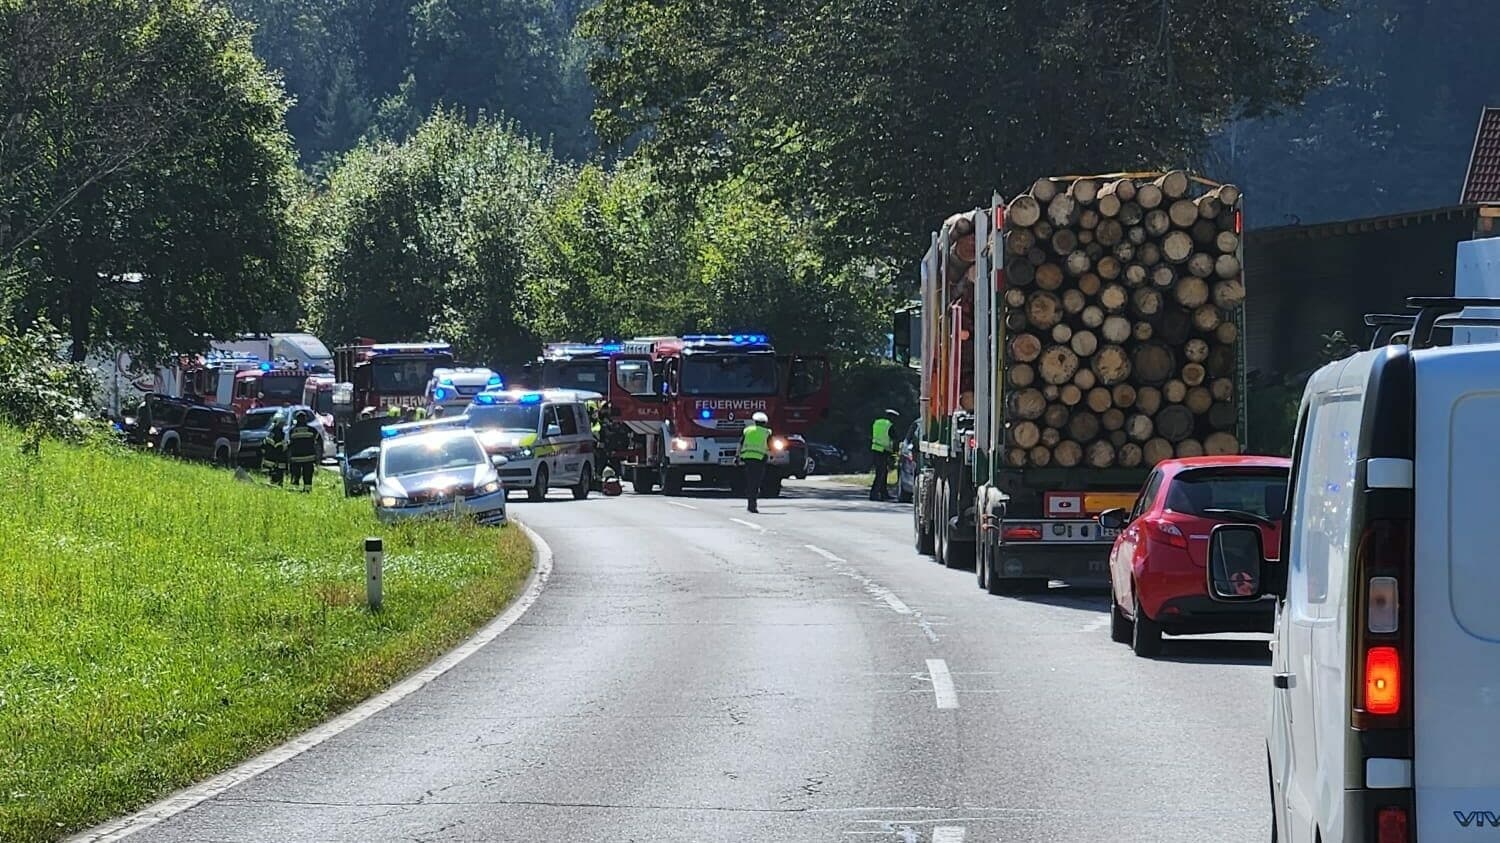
[160, 621]
[862, 479]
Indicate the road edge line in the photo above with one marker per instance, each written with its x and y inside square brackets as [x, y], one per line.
[192, 796]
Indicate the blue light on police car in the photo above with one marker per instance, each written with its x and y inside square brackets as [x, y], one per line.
[484, 398]
[440, 394]
[388, 431]
[611, 348]
[445, 381]
[265, 367]
[495, 380]
[531, 398]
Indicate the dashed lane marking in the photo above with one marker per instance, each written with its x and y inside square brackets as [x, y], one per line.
[681, 504]
[942, 683]
[749, 524]
[948, 834]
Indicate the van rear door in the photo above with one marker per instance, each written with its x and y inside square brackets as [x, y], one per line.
[1456, 600]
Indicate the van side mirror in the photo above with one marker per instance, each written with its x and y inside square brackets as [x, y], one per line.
[553, 430]
[1114, 519]
[1236, 564]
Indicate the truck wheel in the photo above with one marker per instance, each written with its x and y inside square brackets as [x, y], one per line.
[671, 482]
[957, 554]
[538, 492]
[642, 482]
[585, 483]
[1145, 639]
[981, 561]
[939, 521]
[923, 538]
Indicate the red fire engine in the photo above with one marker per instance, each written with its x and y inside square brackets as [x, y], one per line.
[379, 376]
[686, 399]
[267, 385]
[585, 367]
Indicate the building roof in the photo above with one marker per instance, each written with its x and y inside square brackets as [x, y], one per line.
[1338, 228]
[1482, 183]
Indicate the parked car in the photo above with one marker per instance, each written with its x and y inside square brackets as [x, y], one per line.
[1156, 565]
[906, 465]
[179, 427]
[1386, 659]
[437, 472]
[256, 425]
[824, 458]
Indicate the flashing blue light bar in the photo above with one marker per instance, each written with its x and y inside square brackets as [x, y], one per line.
[440, 394]
[484, 398]
[496, 380]
[531, 398]
[611, 348]
[388, 431]
[735, 339]
[265, 367]
[705, 414]
[445, 381]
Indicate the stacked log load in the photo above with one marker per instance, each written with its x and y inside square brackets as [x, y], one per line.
[1119, 310]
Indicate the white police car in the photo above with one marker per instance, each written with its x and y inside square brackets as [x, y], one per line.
[429, 470]
[544, 435]
[453, 388]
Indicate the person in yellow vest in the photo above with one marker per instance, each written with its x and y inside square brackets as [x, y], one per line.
[882, 446]
[755, 448]
[302, 451]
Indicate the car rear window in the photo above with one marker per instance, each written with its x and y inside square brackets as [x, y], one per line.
[1260, 492]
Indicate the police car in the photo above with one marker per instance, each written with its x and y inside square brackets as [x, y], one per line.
[544, 435]
[453, 388]
[436, 469]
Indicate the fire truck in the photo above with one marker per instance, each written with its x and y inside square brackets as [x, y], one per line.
[686, 399]
[378, 376]
[585, 367]
[267, 384]
[317, 393]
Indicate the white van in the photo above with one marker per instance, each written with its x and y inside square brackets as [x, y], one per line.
[451, 389]
[1385, 711]
[544, 435]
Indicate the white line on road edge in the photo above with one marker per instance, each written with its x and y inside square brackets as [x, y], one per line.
[880, 592]
[942, 683]
[948, 834]
[749, 524]
[183, 800]
[823, 553]
[681, 504]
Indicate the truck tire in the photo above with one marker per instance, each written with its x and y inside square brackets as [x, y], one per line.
[1145, 638]
[671, 482]
[585, 483]
[538, 491]
[957, 554]
[922, 537]
[939, 521]
[642, 482]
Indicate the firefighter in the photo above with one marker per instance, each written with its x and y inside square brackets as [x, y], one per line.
[393, 412]
[882, 446]
[755, 448]
[302, 451]
[273, 452]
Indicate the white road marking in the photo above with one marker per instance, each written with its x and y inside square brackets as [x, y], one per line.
[942, 683]
[681, 504]
[823, 553]
[749, 524]
[875, 589]
[948, 834]
[185, 799]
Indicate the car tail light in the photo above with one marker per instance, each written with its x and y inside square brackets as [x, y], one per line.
[1383, 681]
[1026, 533]
[1391, 826]
[1166, 532]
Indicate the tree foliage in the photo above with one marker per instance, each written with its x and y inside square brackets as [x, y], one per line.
[187, 235]
[882, 117]
[40, 394]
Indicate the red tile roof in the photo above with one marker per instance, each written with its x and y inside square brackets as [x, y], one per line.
[1482, 184]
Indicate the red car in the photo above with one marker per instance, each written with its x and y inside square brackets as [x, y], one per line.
[1156, 567]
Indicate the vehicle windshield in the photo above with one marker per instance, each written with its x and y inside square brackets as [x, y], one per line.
[588, 375]
[1258, 492]
[280, 388]
[729, 374]
[167, 413]
[259, 419]
[430, 452]
[503, 416]
[404, 376]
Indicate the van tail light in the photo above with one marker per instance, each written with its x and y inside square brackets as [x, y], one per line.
[1383, 681]
[1025, 533]
[1166, 532]
[1382, 628]
[1391, 826]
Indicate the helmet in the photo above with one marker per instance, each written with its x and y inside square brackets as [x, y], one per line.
[892, 413]
[760, 418]
[302, 417]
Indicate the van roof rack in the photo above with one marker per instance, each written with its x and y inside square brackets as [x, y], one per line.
[1431, 312]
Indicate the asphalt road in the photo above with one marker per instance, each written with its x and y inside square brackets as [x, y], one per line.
[696, 673]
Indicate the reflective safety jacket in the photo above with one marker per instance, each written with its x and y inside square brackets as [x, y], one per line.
[880, 436]
[755, 442]
[302, 444]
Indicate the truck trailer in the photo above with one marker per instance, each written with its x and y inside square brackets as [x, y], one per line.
[1068, 341]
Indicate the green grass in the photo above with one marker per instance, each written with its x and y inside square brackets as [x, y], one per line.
[863, 479]
[160, 621]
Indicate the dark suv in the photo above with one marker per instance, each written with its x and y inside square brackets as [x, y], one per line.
[178, 427]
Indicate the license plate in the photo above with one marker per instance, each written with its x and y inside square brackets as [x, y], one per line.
[726, 460]
[1075, 532]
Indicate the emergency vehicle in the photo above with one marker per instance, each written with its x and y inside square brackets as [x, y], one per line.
[586, 367]
[453, 389]
[268, 384]
[687, 399]
[544, 436]
[317, 393]
[375, 375]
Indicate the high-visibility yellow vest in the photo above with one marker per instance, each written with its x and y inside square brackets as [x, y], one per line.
[880, 436]
[755, 442]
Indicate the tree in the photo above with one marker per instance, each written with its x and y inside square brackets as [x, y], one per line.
[880, 117]
[423, 240]
[187, 236]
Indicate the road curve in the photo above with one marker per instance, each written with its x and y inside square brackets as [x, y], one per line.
[697, 673]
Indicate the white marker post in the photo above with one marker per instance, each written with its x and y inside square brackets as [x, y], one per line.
[374, 570]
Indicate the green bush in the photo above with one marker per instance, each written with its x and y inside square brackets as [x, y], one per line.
[39, 393]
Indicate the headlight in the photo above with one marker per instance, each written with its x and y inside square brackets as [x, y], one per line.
[524, 453]
[681, 444]
[490, 487]
[390, 502]
[778, 444]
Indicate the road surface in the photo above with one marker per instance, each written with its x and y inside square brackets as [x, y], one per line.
[696, 673]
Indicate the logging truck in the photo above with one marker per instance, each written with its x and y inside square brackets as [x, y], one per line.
[1068, 341]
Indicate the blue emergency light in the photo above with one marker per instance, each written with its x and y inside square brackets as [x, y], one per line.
[531, 398]
[484, 398]
[705, 414]
[445, 381]
[612, 348]
[440, 394]
[495, 380]
[265, 367]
